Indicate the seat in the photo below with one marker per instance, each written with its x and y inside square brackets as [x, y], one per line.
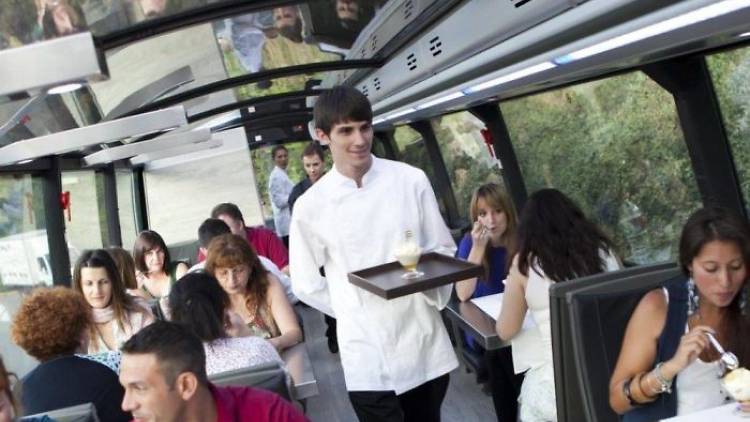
[268, 376]
[599, 315]
[80, 413]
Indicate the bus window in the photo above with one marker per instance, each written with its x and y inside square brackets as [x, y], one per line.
[410, 149]
[466, 156]
[126, 207]
[616, 147]
[24, 256]
[730, 71]
[85, 219]
[175, 211]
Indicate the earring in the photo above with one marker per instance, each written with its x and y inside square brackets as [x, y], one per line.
[692, 297]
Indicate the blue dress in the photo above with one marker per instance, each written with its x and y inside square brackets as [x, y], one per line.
[497, 257]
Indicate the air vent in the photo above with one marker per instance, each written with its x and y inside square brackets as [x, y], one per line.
[436, 46]
[362, 53]
[519, 3]
[376, 84]
[374, 43]
[408, 10]
[365, 90]
[411, 61]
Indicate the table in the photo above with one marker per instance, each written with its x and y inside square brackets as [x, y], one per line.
[474, 321]
[723, 413]
[300, 369]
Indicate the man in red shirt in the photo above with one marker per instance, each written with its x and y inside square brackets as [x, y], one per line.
[163, 371]
[264, 241]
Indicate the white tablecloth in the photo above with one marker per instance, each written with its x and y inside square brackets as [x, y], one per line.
[717, 414]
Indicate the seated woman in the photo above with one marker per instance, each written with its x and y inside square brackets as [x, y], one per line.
[555, 243]
[7, 404]
[51, 325]
[198, 301]
[155, 272]
[254, 294]
[666, 347]
[126, 268]
[492, 235]
[116, 315]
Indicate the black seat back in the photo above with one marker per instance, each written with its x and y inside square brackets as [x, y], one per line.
[268, 376]
[599, 315]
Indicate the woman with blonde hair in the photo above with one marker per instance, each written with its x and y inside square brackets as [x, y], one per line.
[254, 294]
[491, 240]
[116, 315]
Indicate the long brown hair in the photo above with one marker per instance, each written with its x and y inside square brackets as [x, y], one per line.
[707, 225]
[5, 386]
[121, 302]
[496, 197]
[125, 266]
[230, 250]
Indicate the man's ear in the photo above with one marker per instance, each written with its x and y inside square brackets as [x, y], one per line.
[322, 137]
[187, 385]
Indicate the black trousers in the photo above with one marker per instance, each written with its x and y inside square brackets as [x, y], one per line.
[420, 404]
[504, 383]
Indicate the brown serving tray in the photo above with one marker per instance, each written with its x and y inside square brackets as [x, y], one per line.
[385, 280]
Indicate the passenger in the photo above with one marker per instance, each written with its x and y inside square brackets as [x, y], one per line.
[198, 302]
[213, 227]
[155, 271]
[164, 375]
[116, 315]
[51, 325]
[62, 17]
[264, 241]
[492, 236]
[396, 354]
[255, 295]
[314, 164]
[7, 404]
[279, 188]
[126, 268]
[555, 243]
[666, 348]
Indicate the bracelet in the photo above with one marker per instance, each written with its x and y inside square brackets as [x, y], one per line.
[665, 385]
[628, 394]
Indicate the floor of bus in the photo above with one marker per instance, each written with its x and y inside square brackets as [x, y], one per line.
[464, 402]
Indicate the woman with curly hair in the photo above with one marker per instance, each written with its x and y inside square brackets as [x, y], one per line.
[51, 325]
[556, 243]
[254, 294]
[116, 315]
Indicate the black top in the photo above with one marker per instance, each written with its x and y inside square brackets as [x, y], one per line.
[298, 190]
[69, 381]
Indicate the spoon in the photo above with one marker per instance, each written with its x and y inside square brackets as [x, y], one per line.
[729, 359]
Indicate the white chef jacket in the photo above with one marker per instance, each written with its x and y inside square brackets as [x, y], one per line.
[279, 188]
[385, 345]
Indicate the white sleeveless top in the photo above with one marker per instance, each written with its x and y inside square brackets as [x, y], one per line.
[699, 387]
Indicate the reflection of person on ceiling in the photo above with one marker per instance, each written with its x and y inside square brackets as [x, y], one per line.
[248, 38]
[287, 48]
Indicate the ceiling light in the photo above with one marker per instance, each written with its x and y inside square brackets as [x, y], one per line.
[744, 34]
[379, 120]
[541, 67]
[62, 89]
[440, 100]
[689, 18]
[401, 113]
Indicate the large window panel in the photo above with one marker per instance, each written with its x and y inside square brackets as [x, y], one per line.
[410, 148]
[85, 220]
[126, 207]
[263, 165]
[24, 256]
[730, 72]
[615, 146]
[466, 156]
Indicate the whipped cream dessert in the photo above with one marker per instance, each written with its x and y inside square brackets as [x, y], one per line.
[737, 383]
[408, 254]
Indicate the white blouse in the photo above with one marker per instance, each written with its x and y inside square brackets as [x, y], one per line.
[385, 345]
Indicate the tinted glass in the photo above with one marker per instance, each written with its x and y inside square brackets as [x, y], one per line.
[467, 157]
[730, 72]
[85, 219]
[615, 147]
[410, 148]
[126, 207]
